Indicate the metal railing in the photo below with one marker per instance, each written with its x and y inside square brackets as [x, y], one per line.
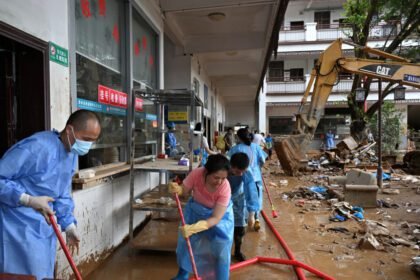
[335, 31]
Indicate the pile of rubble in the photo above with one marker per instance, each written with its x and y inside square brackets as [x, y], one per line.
[346, 152]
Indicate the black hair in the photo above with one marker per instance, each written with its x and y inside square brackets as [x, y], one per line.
[197, 127]
[243, 135]
[80, 118]
[240, 161]
[216, 163]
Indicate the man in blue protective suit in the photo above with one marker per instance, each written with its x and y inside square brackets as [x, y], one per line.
[35, 181]
[329, 138]
[244, 198]
[170, 140]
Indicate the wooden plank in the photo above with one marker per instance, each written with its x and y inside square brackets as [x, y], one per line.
[104, 171]
[164, 165]
[158, 235]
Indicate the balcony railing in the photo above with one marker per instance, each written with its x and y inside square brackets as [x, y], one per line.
[282, 86]
[314, 32]
[285, 79]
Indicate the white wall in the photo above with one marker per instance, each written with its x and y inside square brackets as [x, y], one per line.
[51, 24]
[102, 213]
[220, 110]
[242, 112]
[177, 67]
[296, 12]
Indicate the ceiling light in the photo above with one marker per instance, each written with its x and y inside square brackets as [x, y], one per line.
[217, 16]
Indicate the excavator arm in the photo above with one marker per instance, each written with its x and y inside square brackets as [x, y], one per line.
[292, 150]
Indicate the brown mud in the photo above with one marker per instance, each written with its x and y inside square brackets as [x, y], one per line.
[305, 230]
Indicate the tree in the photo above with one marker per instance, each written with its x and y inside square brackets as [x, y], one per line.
[404, 17]
[391, 127]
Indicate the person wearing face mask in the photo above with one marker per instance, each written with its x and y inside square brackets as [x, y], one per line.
[209, 220]
[35, 181]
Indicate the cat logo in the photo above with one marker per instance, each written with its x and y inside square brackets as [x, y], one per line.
[382, 70]
[386, 70]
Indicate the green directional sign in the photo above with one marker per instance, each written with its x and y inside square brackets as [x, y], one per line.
[59, 54]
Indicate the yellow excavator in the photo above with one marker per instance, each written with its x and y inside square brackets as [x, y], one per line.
[291, 151]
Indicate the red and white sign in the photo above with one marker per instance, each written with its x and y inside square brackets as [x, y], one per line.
[139, 104]
[112, 97]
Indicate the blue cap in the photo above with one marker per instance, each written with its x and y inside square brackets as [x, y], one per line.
[170, 124]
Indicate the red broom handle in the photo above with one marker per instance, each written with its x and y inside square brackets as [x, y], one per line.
[268, 193]
[178, 203]
[65, 249]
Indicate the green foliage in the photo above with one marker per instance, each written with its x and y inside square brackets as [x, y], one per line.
[391, 127]
[355, 13]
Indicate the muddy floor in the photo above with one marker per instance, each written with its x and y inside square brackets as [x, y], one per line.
[306, 230]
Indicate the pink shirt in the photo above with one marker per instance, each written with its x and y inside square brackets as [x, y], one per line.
[195, 181]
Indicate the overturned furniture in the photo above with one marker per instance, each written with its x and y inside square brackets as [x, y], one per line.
[360, 187]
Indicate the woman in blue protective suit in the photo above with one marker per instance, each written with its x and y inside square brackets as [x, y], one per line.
[209, 220]
[35, 181]
[256, 160]
[244, 198]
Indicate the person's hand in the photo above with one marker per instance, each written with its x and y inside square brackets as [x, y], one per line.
[173, 188]
[39, 203]
[72, 239]
[189, 230]
[251, 219]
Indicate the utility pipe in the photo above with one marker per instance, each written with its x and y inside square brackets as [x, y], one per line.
[299, 271]
[259, 259]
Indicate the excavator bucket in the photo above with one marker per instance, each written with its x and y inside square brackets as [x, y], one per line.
[291, 152]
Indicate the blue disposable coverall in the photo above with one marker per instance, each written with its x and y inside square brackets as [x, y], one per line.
[330, 140]
[211, 248]
[39, 166]
[256, 159]
[170, 141]
[244, 197]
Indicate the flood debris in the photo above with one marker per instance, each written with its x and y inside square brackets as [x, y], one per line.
[415, 265]
[347, 152]
[369, 242]
[343, 211]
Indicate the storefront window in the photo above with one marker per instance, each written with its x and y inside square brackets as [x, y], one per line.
[98, 31]
[280, 125]
[146, 127]
[145, 65]
[99, 79]
[144, 51]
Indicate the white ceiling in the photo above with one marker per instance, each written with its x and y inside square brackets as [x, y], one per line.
[232, 51]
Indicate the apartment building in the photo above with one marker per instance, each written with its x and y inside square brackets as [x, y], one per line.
[309, 27]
